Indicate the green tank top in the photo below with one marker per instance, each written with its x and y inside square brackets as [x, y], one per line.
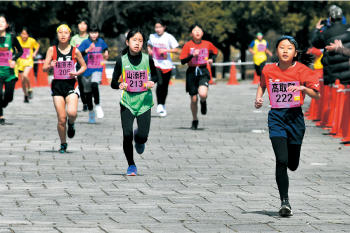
[137, 102]
[6, 72]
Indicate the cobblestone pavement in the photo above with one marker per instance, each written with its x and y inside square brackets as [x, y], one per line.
[219, 178]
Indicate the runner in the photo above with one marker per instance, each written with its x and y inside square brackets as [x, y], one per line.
[198, 53]
[25, 62]
[62, 58]
[92, 50]
[287, 83]
[7, 64]
[138, 75]
[259, 48]
[75, 42]
[160, 45]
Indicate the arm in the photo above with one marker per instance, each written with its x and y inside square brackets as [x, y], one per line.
[36, 51]
[17, 45]
[186, 60]
[169, 50]
[105, 54]
[251, 51]
[82, 63]
[116, 75]
[154, 77]
[268, 51]
[47, 63]
[258, 99]
[310, 92]
[150, 50]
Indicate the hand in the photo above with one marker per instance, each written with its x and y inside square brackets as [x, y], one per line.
[270, 54]
[53, 63]
[123, 86]
[162, 50]
[196, 53]
[259, 102]
[338, 43]
[12, 65]
[106, 55]
[210, 61]
[319, 25]
[149, 84]
[34, 55]
[296, 88]
[72, 74]
[92, 46]
[331, 47]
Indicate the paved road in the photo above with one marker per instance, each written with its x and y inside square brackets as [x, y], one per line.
[219, 178]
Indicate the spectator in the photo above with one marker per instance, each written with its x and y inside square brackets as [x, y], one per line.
[335, 66]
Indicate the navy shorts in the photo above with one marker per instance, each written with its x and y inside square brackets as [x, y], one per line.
[288, 123]
[195, 79]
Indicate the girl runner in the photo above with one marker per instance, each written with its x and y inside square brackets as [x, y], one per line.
[92, 50]
[61, 59]
[138, 75]
[25, 62]
[8, 58]
[198, 53]
[287, 83]
[160, 45]
[75, 42]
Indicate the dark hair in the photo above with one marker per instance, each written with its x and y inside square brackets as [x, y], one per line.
[131, 34]
[93, 28]
[302, 55]
[11, 27]
[159, 21]
[80, 20]
[25, 29]
[196, 25]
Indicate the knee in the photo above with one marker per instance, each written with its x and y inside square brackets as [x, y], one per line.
[203, 95]
[128, 136]
[281, 164]
[293, 167]
[141, 137]
[72, 113]
[62, 120]
[194, 99]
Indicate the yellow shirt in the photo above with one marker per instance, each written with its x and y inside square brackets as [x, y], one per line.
[259, 50]
[27, 58]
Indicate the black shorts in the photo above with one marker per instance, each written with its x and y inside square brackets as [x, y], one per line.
[259, 68]
[194, 81]
[63, 87]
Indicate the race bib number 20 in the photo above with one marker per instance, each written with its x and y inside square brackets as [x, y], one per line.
[5, 58]
[62, 69]
[281, 98]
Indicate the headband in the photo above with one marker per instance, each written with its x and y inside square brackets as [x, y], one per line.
[64, 26]
[292, 40]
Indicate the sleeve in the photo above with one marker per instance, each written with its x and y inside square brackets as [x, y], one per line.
[253, 43]
[262, 78]
[116, 74]
[104, 46]
[213, 49]
[72, 41]
[154, 77]
[184, 55]
[317, 39]
[35, 44]
[267, 44]
[83, 46]
[149, 42]
[311, 79]
[17, 45]
[343, 51]
[173, 42]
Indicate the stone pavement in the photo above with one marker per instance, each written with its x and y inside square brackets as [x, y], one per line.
[219, 178]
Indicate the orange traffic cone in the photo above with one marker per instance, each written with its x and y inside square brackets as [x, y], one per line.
[170, 82]
[104, 76]
[339, 105]
[256, 79]
[211, 77]
[344, 122]
[18, 83]
[41, 79]
[233, 78]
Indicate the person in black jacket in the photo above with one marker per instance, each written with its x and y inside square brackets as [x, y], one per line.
[335, 66]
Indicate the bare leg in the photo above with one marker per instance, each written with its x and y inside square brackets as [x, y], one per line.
[60, 105]
[72, 107]
[25, 80]
[194, 107]
[203, 93]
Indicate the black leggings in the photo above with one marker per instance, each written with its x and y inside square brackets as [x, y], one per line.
[287, 155]
[8, 96]
[259, 68]
[143, 122]
[94, 92]
[81, 90]
[162, 87]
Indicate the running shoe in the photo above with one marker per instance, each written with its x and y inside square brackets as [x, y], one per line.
[140, 148]
[2, 121]
[92, 117]
[132, 171]
[71, 130]
[286, 209]
[203, 107]
[99, 112]
[162, 113]
[26, 99]
[194, 125]
[30, 94]
[63, 148]
[85, 108]
[159, 108]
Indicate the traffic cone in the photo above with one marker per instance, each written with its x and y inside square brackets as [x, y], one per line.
[41, 79]
[256, 79]
[329, 115]
[32, 78]
[104, 76]
[320, 102]
[170, 82]
[325, 104]
[233, 77]
[344, 123]
[18, 83]
[211, 77]
[339, 105]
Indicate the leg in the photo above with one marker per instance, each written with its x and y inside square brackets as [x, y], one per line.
[86, 81]
[143, 124]
[81, 89]
[293, 156]
[127, 119]
[261, 67]
[26, 80]
[95, 92]
[60, 105]
[72, 107]
[9, 90]
[2, 81]
[162, 89]
[280, 148]
[194, 107]
[203, 93]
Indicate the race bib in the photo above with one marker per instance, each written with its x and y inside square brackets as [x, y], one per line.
[26, 53]
[136, 80]
[5, 58]
[261, 47]
[281, 98]
[62, 69]
[159, 56]
[202, 58]
[94, 60]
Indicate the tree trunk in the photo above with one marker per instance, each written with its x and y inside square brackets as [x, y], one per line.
[226, 51]
[243, 59]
